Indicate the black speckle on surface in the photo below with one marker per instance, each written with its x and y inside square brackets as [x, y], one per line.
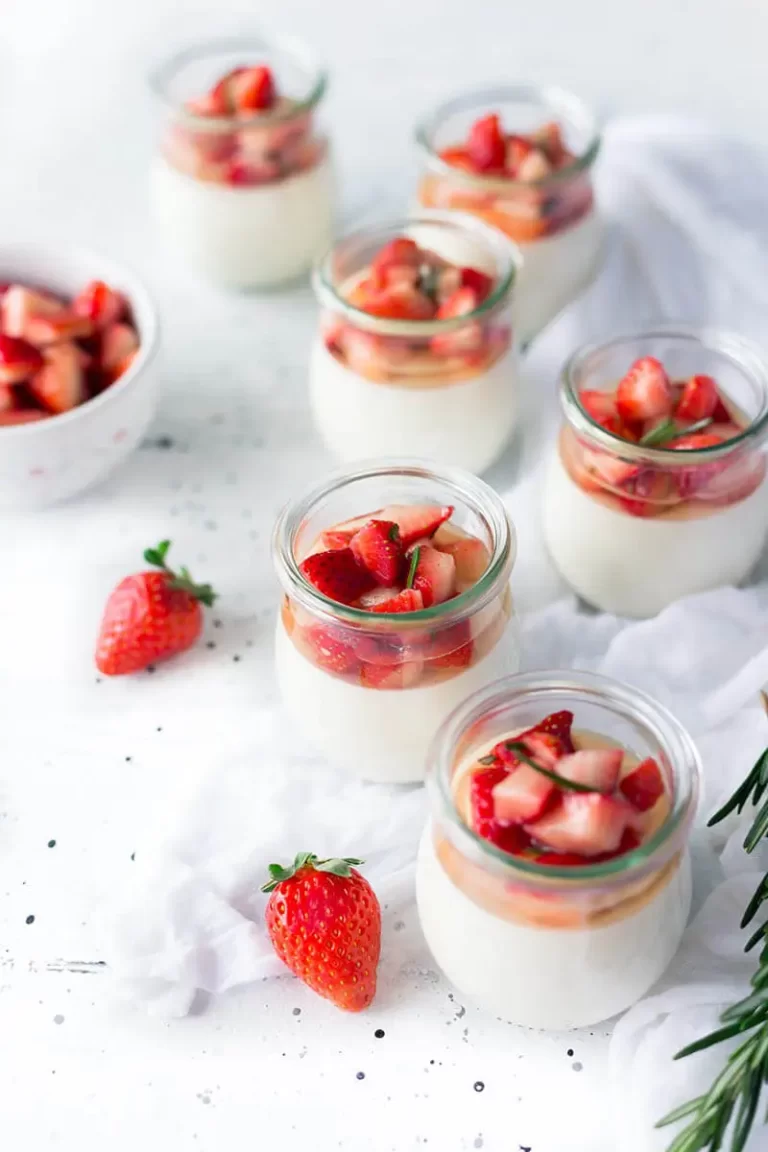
[133, 855]
[577, 1066]
[150, 669]
[360, 1075]
[164, 442]
[29, 920]
[217, 623]
[51, 843]
[297, 1011]
[58, 1019]
[431, 1061]
[570, 1052]
[210, 644]
[478, 1086]
[98, 679]
[236, 659]
[524, 1147]
[158, 729]
[128, 759]
[379, 1033]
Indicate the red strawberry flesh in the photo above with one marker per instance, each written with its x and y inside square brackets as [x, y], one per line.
[644, 786]
[378, 548]
[588, 823]
[645, 392]
[416, 521]
[337, 575]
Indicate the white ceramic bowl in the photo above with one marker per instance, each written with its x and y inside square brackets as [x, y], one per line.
[50, 460]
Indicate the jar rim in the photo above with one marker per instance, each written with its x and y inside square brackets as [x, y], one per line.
[744, 355]
[162, 74]
[627, 701]
[504, 248]
[551, 95]
[468, 488]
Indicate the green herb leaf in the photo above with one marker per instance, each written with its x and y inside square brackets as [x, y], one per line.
[668, 430]
[413, 567]
[521, 753]
[487, 759]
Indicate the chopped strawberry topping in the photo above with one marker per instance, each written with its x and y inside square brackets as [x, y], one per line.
[521, 796]
[601, 406]
[252, 89]
[435, 575]
[550, 139]
[486, 145]
[337, 575]
[334, 539]
[416, 521]
[643, 786]
[698, 399]
[471, 558]
[118, 342]
[461, 303]
[546, 742]
[400, 252]
[379, 549]
[585, 822]
[100, 304]
[18, 360]
[59, 384]
[645, 392]
[477, 282]
[511, 838]
[535, 166]
[597, 768]
[330, 650]
[409, 600]
[403, 675]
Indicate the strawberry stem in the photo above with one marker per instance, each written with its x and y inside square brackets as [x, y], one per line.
[337, 866]
[181, 580]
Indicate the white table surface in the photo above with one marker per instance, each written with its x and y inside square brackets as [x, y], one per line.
[86, 763]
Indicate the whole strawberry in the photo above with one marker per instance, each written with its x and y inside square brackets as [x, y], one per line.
[150, 616]
[324, 922]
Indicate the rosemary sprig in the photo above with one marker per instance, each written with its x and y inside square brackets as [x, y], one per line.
[414, 565]
[668, 430]
[521, 753]
[735, 1093]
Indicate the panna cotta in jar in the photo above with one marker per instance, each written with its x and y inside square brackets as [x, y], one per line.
[242, 184]
[415, 354]
[553, 881]
[520, 159]
[396, 607]
[657, 486]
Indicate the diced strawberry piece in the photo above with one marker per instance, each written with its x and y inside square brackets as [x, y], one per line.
[611, 469]
[587, 823]
[371, 600]
[477, 282]
[59, 385]
[398, 676]
[517, 149]
[486, 145]
[511, 838]
[521, 796]
[58, 327]
[644, 785]
[471, 558]
[378, 548]
[415, 521]
[22, 416]
[349, 527]
[721, 414]
[402, 302]
[400, 252]
[7, 398]
[458, 158]
[535, 166]
[252, 89]
[18, 359]
[546, 742]
[100, 304]
[698, 400]
[645, 392]
[435, 575]
[460, 303]
[330, 650]
[334, 539]
[649, 493]
[597, 768]
[696, 440]
[118, 341]
[21, 304]
[468, 338]
[601, 406]
[337, 575]
[460, 657]
[550, 139]
[409, 600]
[561, 859]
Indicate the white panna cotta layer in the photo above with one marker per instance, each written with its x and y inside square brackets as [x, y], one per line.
[246, 237]
[465, 424]
[555, 270]
[381, 735]
[540, 977]
[633, 566]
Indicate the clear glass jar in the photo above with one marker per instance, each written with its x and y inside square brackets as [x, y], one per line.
[555, 947]
[442, 389]
[370, 690]
[633, 528]
[247, 201]
[554, 220]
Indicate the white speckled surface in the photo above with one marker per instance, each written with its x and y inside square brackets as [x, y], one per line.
[231, 441]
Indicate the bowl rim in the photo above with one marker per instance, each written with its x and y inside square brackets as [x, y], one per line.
[136, 292]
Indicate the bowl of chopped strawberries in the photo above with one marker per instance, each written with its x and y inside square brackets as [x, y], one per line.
[78, 337]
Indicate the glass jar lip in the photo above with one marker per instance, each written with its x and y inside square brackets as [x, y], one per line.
[626, 699]
[164, 71]
[466, 486]
[744, 354]
[544, 94]
[329, 297]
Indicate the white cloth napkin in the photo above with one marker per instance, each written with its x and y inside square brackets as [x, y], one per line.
[690, 242]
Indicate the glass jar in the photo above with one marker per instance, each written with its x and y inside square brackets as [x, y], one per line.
[443, 389]
[369, 690]
[554, 220]
[246, 199]
[545, 946]
[633, 528]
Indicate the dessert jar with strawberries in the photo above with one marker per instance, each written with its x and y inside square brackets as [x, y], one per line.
[520, 158]
[553, 881]
[657, 486]
[415, 353]
[396, 606]
[242, 183]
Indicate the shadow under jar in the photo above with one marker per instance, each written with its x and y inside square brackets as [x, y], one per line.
[244, 194]
[541, 944]
[446, 389]
[632, 527]
[369, 689]
[547, 207]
